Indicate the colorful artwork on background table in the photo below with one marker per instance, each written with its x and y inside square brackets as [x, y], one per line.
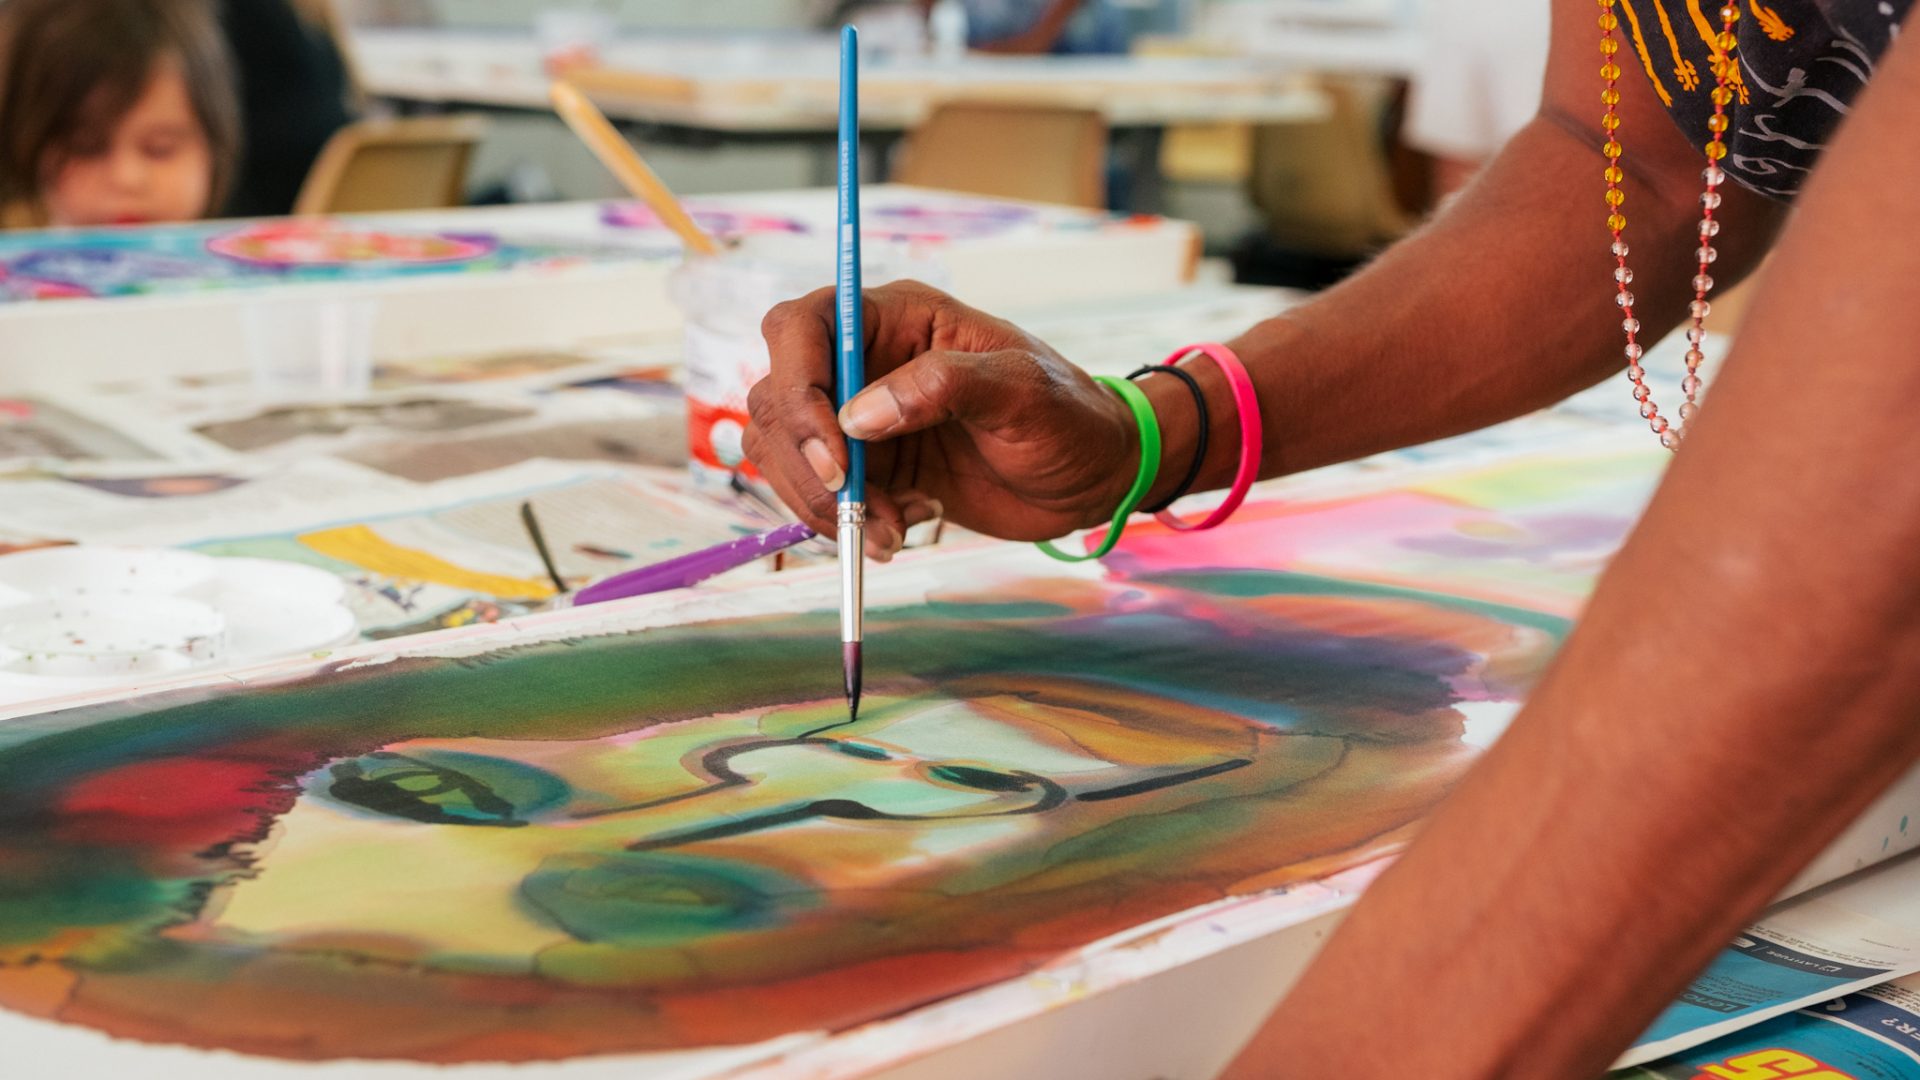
[943, 221]
[715, 221]
[195, 258]
[672, 839]
[920, 218]
[79, 272]
[297, 243]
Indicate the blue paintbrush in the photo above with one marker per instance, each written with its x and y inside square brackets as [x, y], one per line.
[850, 371]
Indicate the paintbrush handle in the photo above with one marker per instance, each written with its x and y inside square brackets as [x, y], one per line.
[601, 137]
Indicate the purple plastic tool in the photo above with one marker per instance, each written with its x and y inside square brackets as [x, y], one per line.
[693, 568]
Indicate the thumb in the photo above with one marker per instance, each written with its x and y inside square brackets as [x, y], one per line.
[991, 390]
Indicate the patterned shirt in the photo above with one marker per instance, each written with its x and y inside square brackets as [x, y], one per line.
[1800, 65]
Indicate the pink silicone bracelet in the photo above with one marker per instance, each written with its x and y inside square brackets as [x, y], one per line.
[1247, 403]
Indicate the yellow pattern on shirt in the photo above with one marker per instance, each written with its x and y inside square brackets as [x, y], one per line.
[1770, 22]
[1724, 66]
[1640, 45]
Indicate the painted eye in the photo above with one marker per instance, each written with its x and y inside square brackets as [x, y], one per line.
[445, 788]
[631, 899]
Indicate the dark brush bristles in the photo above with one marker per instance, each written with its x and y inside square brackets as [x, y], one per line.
[850, 661]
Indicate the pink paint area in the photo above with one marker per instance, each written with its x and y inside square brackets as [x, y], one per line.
[1543, 558]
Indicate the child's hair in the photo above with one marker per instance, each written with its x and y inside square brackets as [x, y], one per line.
[69, 68]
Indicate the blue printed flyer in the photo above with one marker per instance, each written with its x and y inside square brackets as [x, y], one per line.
[1871, 1035]
[1802, 953]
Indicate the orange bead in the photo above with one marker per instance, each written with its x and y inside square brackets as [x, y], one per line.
[1726, 42]
[1608, 46]
[1610, 121]
[1717, 123]
[1611, 148]
[1616, 222]
[1610, 71]
[1614, 174]
[1721, 96]
[1730, 13]
[1716, 150]
[1609, 21]
[1615, 196]
[1610, 96]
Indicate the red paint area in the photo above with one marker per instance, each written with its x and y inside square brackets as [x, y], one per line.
[176, 802]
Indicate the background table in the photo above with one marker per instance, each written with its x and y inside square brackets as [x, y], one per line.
[786, 85]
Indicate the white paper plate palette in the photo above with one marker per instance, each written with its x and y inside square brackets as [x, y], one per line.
[82, 618]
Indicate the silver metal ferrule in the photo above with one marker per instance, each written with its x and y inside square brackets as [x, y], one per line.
[853, 543]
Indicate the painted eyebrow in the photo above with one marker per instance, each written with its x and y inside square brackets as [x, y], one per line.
[1052, 796]
[1157, 783]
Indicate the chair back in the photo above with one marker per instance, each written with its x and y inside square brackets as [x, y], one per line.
[1037, 153]
[416, 163]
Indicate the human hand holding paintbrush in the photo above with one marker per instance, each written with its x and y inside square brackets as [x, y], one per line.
[963, 413]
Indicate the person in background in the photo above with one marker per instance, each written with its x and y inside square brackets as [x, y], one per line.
[1043, 26]
[1476, 83]
[113, 112]
[296, 91]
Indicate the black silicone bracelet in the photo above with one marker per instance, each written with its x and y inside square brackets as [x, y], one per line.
[1200, 443]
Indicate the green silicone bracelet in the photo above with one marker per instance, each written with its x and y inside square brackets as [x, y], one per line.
[1149, 467]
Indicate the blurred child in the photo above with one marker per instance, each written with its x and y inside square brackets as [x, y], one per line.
[113, 112]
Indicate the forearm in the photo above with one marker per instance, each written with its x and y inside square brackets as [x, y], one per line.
[1746, 680]
[1502, 305]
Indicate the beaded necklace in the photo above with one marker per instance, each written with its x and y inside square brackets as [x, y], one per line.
[1724, 69]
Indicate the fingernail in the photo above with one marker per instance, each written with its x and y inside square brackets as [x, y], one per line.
[882, 542]
[873, 412]
[920, 511]
[824, 467]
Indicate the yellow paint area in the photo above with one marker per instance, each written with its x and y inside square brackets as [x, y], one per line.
[361, 546]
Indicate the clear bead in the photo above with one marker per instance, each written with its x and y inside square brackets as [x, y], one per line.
[1710, 200]
[1619, 249]
[1658, 424]
[1699, 309]
[1670, 440]
[1647, 410]
[1688, 410]
[1702, 283]
[1690, 385]
[1694, 357]
[1635, 372]
[1695, 336]
[1706, 254]
[1714, 175]
[1709, 227]
[1634, 351]
[1622, 275]
[1624, 298]
[1630, 325]
[1641, 393]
